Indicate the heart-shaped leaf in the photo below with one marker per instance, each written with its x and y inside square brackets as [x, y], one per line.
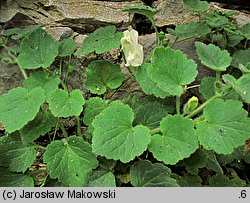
[70, 161]
[146, 174]
[62, 104]
[115, 137]
[225, 127]
[213, 57]
[196, 5]
[103, 74]
[19, 106]
[66, 47]
[101, 40]
[38, 50]
[8, 179]
[141, 9]
[102, 178]
[179, 140]
[16, 155]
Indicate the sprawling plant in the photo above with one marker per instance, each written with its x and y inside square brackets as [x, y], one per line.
[165, 138]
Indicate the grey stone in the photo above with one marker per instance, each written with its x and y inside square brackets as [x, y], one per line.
[60, 32]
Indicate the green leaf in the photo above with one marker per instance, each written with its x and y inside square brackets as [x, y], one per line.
[241, 57]
[63, 104]
[179, 140]
[220, 181]
[101, 40]
[233, 40]
[42, 124]
[216, 19]
[19, 33]
[171, 70]
[241, 85]
[37, 50]
[245, 30]
[141, 9]
[196, 5]
[15, 154]
[188, 180]
[207, 87]
[146, 82]
[101, 75]
[196, 161]
[150, 113]
[226, 126]
[20, 106]
[237, 155]
[93, 107]
[70, 161]
[212, 162]
[146, 174]
[8, 179]
[43, 80]
[213, 57]
[190, 30]
[66, 47]
[115, 137]
[102, 178]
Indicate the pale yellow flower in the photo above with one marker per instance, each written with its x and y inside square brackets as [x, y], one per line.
[133, 52]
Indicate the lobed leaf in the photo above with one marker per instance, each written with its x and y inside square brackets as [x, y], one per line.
[66, 47]
[101, 40]
[115, 137]
[37, 50]
[245, 30]
[102, 178]
[8, 179]
[16, 155]
[42, 124]
[101, 75]
[146, 174]
[196, 5]
[178, 141]
[226, 126]
[19, 106]
[93, 107]
[190, 30]
[213, 57]
[141, 9]
[170, 70]
[43, 80]
[63, 104]
[70, 161]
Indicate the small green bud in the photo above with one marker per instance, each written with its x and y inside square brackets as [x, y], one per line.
[161, 35]
[165, 42]
[191, 105]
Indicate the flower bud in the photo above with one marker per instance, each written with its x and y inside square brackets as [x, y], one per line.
[190, 105]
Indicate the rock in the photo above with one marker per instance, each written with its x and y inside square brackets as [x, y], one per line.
[60, 32]
[79, 39]
[172, 12]
[84, 15]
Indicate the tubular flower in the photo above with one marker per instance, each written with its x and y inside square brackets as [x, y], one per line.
[133, 52]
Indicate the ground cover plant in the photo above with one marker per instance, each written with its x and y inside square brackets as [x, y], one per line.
[150, 141]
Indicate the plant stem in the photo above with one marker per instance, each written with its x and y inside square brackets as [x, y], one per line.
[156, 30]
[203, 105]
[40, 147]
[218, 76]
[123, 83]
[79, 131]
[63, 129]
[23, 72]
[177, 105]
[60, 67]
[155, 130]
[56, 128]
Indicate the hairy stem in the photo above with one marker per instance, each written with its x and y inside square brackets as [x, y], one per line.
[63, 129]
[40, 147]
[116, 90]
[155, 130]
[156, 31]
[218, 76]
[196, 111]
[177, 105]
[79, 131]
